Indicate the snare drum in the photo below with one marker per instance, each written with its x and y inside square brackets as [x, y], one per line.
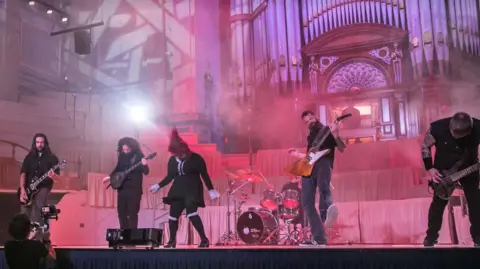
[288, 213]
[255, 226]
[291, 198]
[271, 200]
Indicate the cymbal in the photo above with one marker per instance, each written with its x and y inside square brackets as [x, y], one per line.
[232, 175]
[252, 178]
[248, 174]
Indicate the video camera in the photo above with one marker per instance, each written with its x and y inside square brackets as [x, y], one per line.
[50, 212]
[47, 213]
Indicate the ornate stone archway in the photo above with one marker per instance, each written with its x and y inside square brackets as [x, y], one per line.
[356, 73]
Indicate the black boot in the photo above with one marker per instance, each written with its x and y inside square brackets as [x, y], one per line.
[173, 227]
[429, 242]
[198, 225]
[170, 244]
[204, 243]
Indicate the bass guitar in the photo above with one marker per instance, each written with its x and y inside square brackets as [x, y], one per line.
[117, 179]
[446, 185]
[304, 167]
[31, 190]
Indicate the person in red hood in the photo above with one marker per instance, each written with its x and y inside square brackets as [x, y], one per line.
[185, 168]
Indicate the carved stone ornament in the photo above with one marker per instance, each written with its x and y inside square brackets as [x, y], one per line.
[358, 74]
[326, 62]
[382, 54]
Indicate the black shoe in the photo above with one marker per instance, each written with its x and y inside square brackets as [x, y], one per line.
[204, 243]
[428, 242]
[312, 243]
[171, 244]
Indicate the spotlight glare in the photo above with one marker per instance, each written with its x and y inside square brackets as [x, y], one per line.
[31, 3]
[138, 114]
[64, 19]
[49, 11]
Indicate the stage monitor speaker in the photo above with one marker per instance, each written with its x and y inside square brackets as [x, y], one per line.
[149, 237]
[82, 40]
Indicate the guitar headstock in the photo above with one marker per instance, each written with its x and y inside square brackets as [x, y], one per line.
[62, 164]
[151, 156]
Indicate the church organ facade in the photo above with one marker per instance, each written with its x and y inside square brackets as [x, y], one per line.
[392, 63]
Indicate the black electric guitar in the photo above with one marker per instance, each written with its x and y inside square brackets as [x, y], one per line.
[117, 179]
[31, 190]
[446, 185]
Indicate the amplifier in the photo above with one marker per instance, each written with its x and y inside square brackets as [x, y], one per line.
[149, 237]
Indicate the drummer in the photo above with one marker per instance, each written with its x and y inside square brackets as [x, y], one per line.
[295, 184]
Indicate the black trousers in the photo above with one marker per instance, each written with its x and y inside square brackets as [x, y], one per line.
[128, 206]
[34, 211]
[320, 178]
[437, 207]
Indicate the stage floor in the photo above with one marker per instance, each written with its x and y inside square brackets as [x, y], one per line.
[270, 257]
[281, 247]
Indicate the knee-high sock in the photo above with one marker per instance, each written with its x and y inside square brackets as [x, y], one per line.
[197, 223]
[173, 227]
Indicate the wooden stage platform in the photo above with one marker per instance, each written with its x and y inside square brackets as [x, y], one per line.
[270, 257]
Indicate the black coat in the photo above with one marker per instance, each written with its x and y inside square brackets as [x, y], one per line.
[187, 185]
[134, 182]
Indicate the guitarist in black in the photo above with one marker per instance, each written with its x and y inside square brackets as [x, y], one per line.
[39, 161]
[130, 193]
[456, 141]
[320, 178]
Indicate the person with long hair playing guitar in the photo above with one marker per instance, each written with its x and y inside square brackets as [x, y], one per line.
[131, 189]
[320, 178]
[39, 161]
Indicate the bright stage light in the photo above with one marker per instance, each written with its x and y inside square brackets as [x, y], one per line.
[31, 3]
[138, 114]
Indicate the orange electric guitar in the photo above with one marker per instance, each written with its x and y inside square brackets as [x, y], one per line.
[304, 166]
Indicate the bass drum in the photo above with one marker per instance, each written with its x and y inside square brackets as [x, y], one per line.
[255, 226]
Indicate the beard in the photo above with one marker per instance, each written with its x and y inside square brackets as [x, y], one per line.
[315, 126]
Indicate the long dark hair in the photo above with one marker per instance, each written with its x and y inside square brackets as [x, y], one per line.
[46, 149]
[131, 143]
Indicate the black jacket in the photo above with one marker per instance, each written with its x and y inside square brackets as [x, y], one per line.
[134, 180]
[448, 150]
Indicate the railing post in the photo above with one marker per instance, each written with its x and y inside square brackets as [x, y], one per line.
[74, 109]
[84, 126]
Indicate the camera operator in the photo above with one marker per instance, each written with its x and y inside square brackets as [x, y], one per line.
[22, 252]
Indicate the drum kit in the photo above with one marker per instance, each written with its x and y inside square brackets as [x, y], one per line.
[262, 225]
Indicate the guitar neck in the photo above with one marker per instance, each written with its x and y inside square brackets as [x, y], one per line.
[44, 176]
[321, 137]
[465, 172]
[133, 167]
